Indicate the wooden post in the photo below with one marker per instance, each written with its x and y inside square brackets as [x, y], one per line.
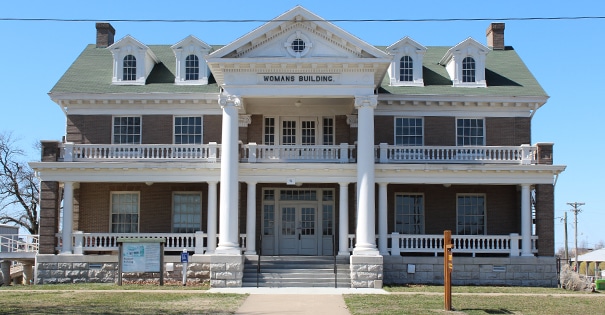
[447, 268]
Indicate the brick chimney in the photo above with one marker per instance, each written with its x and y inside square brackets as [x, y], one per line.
[105, 34]
[495, 36]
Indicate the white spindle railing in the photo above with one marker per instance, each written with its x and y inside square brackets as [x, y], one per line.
[95, 152]
[93, 242]
[14, 243]
[257, 153]
[524, 154]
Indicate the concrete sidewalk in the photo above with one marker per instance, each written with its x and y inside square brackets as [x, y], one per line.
[303, 301]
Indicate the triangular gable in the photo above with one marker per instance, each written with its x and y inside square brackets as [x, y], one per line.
[290, 20]
[191, 41]
[470, 44]
[127, 41]
[405, 42]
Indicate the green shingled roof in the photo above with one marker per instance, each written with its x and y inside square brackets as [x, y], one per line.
[506, 75]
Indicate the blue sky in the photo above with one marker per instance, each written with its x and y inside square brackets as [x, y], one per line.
[564, 55]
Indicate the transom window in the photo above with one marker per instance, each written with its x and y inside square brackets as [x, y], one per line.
[192, 68]
[468, 69]
[298, 45]
[129, 68]
[470, 132]
[470, 214]
[406, 69]
[188, 130]
[408, 131]
[409, 213]
[186, 212]
[124, 212]
[126, 130]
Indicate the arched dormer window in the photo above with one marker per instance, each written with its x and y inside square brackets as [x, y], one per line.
[468, 69]
[406, 69]
[192, 68]
[406, 65]
[129, 68]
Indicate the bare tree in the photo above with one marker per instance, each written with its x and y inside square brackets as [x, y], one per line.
[19, 188]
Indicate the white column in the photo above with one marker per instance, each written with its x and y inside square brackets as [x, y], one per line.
[251, 220]
[68, 215]
[228, 222]
[343, 221]
[382, 219]
[365, 244]
[211, 227]
[525, 221]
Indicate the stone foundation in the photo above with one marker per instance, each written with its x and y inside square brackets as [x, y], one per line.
[226, 271]
[366, 271]
[506, 271]
[53, 269]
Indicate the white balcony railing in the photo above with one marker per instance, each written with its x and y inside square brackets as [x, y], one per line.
[524, 154]
[98, 152]
[260, 153]
[19, 243]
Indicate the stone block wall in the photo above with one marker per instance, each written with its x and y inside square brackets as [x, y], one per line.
[505, 271]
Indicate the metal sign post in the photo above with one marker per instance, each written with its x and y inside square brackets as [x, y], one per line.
[448, 265]
[184, 261]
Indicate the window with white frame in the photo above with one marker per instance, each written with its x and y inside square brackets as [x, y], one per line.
[269, 132]
[406, 69]
[186, 212]
[408, 131]
[470, 132]
[468, 69]
[129, 68]
[126, 130]
[188, 130]
[192, 68]
[125, 212]
[328, 131]
[470, 210]
[409, 213]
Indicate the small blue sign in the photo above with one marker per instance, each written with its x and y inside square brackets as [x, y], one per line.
[184, 257]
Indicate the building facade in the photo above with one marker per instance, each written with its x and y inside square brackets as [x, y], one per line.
[299, 139]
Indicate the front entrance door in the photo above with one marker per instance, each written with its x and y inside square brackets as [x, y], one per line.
[298, 229]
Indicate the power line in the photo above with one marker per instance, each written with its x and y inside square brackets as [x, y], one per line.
[311, 20]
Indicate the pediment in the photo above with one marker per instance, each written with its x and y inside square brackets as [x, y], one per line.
[468, 46]
[129, 43]
[321, 39]
[403, 44]
[191, 43]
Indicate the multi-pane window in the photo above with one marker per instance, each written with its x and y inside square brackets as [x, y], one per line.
[328, 213]
[406, 69]
[268, 219]
[129, 68]
[186, 212]
[470, 214]
[192, 68]
[470, 132]
[124, 212]
[308, 132]
[408, 131]
[298, 45]
[409, 213]
[328, 131]
[269, 131]
[126, 130]
[288, 132]
[188, 130]
[468, 69]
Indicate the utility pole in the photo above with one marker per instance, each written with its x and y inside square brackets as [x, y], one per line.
[566, 247]
[576, 210]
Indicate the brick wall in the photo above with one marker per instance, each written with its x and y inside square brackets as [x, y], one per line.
[213, 128]
[342, 130]
[384, 129]
[545, 216]
[507, 131]
[155, 205]
[157, 129]
[50, 201]
[87, 129]
[440, 131]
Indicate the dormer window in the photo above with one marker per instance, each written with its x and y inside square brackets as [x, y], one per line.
[465, 64]
[468, 69]
[191, 68]
[132, 61]
[406, 67]
[129, 68]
